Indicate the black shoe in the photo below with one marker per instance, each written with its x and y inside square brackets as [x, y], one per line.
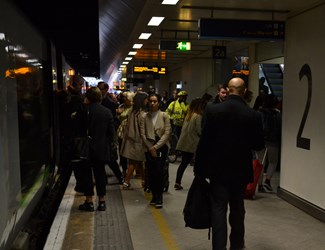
[87, 206]
[121, 181]
[159, 201]
[268, 186]
[78, 190]
[158, 205]
[153, 202]
[101, 206]
[127, 186]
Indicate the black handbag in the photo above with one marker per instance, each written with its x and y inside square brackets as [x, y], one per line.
[197, 209]
[81, 148]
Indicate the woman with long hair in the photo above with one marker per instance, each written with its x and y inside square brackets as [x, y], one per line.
[123, 110]
[132, 145]
[189, 138]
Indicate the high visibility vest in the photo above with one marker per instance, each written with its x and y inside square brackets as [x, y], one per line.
[177, 112]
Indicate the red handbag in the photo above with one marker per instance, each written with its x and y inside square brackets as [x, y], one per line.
[257, 170]
[251, 187]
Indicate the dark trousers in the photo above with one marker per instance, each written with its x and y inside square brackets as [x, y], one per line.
[186, 159]
[116, 169]
[98, 169]
[222, 195]
[123, 160]
[155, 167]
[177, 130]
[80, 169]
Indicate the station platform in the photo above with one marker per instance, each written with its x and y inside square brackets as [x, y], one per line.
[130, 223]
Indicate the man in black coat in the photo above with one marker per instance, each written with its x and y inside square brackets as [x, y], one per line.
[101, 132]
[108, 102]
[231, 131]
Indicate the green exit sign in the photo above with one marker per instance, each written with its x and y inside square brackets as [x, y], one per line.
[174, 45]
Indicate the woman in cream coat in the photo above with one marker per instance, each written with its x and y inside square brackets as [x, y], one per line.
[155, 131]
[132, 145]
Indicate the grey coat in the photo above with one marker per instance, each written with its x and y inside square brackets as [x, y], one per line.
[190, 135]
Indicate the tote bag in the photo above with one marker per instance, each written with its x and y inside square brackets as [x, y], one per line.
[81, 148]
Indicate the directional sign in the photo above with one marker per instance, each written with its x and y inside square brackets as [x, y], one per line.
[174, 45]
[210, 28]
[219, 52]
[149, 70]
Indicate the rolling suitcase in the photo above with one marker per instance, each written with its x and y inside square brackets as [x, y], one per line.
[257, 170]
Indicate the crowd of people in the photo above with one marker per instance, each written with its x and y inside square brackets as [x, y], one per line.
[131, 133]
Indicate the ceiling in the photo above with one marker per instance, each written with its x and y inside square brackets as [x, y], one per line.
[95, 37]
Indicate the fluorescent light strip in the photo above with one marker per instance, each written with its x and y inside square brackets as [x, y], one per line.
[132, 53]
[137, 46]
[144, 36]
[155, 21]
[170, 2]
[125, 62]
[128, 58]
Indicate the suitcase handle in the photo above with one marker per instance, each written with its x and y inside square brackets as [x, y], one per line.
[264, 155]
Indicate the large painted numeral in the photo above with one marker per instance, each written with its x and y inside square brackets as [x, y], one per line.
[305, 142]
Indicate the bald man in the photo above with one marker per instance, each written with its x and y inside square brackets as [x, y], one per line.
[231, 131]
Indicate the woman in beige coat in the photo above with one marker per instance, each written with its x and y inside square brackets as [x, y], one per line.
[189, 138]
[155, 131]
[132, 146]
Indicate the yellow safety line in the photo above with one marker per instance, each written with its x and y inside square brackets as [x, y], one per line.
[163, 226]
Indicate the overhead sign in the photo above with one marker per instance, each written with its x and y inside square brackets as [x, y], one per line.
[150, 70]
[219, 52]
[240, 29]
[174, 45]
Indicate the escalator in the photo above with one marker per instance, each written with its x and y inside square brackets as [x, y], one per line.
[274, 77]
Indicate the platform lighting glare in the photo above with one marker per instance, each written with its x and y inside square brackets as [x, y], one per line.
[144, 36]
[137, 46]
[132, 53]
[128, 58]
[125, 63]
[155, 21]
[170, 2]
[122, 66]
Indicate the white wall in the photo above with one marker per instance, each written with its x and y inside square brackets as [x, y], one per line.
[197, 75]
[303, 170]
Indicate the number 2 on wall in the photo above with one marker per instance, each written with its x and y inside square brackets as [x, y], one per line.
[305, 142]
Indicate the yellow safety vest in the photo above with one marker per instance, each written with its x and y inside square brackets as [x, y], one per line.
[177, 112]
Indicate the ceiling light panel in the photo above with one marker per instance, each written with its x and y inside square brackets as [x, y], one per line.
[155, 21]
[170, 2]
[144, 36]
[137, 46]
